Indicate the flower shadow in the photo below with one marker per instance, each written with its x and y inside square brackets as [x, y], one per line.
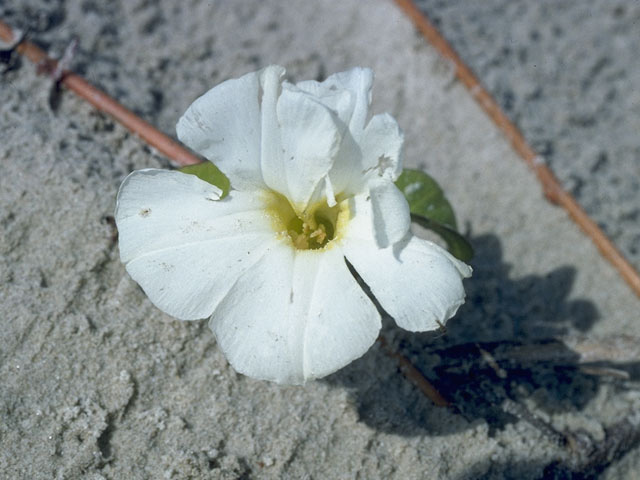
[501, 348]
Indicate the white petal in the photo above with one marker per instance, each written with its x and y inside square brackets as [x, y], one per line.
[295, 315]
[377, 157]
[309, 140]
[328, 192]
[334, 98]
[157, 209]
[382, 148]
[271, 149]
[357, 82]
[346, 173]
[391, 215]
[342, 321]
[417, 282]
[183, 248]
[224, 125]
[189, 281]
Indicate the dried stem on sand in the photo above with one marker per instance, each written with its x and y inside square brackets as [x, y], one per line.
[100, 100]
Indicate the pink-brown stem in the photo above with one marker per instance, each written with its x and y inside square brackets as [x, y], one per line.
[100, 100]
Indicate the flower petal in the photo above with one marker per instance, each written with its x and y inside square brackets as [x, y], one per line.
[357, 82]
[334, 98]
[189, 281]
[183, 245]
[417, 282]
[391, 215]
[270, 149]
[295, 315]
[342, 321]
[377, 156]
[157, 209]
[224, 126]
[309, 140]
[382, 148]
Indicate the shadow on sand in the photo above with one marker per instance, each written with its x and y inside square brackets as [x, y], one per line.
[517, 322]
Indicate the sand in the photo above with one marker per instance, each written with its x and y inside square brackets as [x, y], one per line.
[96, 383]
[566, 72]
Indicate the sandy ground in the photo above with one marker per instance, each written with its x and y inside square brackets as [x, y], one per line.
[567, 73]
[96, 383]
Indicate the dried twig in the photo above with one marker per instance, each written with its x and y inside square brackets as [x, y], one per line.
[588, 458]
[552, 188]
[57, 70]
[523, 413]
[483, 380]
[571, 350]
[8, 55]
[103, 102]
[412, 373]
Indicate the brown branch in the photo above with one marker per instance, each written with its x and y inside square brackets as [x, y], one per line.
[550, 184]
[411, 372]
[573, 350]
[588, 457]
[100, 100]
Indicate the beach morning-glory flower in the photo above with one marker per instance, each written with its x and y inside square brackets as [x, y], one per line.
[312, 197]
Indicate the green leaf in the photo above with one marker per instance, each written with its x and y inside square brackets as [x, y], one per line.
[457, 245]
[426, 198]
[431, 209]
[208, 172]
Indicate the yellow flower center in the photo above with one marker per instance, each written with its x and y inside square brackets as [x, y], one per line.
[312, 229]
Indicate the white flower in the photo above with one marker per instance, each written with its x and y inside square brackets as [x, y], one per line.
[312, 185]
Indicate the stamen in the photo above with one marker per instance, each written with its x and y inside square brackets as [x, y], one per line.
[320, 233]
[311, 229]
[300, 241]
